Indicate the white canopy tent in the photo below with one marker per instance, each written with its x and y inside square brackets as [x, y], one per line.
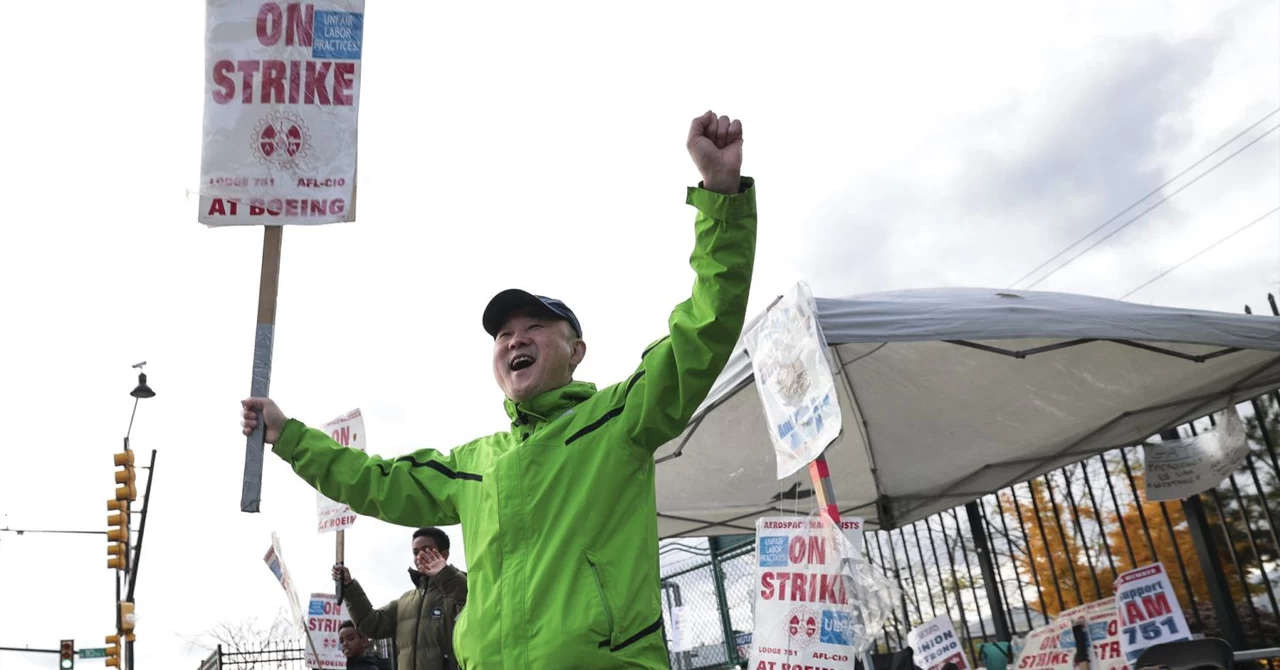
[951, 394]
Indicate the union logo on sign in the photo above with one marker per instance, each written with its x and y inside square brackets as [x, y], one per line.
[802, 626]
[281, 139]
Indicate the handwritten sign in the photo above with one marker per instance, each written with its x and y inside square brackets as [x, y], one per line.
[347, 430]
[793, 376]
[1148, 611]
[935, 643]
[1179, 469]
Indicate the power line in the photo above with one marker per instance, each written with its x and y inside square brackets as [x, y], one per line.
[1198, 254]
[1159, 202]
[1154, 191]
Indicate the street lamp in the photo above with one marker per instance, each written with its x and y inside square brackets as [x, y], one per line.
[142, 390]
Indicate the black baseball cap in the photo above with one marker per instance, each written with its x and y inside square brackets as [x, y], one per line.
[512, 299]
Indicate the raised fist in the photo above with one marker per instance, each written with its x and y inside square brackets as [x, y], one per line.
[715, 144]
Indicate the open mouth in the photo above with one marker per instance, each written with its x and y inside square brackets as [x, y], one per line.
[520, 362]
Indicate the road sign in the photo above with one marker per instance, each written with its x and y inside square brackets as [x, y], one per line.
[100, 652]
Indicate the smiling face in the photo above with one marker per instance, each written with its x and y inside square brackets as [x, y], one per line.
[534, 353]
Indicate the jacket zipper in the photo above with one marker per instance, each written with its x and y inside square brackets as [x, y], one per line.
[604, 602]
[417, 628]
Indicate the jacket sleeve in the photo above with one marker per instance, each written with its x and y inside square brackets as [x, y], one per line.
[677, 372]
[376, 624]
[453, 582]
[415, 490]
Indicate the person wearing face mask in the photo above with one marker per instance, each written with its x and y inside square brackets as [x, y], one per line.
[559, 513]
[422, 620]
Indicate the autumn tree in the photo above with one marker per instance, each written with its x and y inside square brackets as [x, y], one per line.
[1063, 540]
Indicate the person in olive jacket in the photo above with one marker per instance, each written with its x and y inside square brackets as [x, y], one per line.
[422, 619]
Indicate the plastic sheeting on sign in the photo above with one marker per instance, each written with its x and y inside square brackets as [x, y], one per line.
[816, 600]
[1177, 469]
[950, 394]
[797, 391]
[282, 96]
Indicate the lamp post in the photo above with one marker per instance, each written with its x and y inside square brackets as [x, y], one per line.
[128, 567]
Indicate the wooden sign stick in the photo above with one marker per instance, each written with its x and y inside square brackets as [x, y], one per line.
[264, 339]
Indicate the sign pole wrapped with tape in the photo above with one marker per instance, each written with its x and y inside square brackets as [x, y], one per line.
[281, 101]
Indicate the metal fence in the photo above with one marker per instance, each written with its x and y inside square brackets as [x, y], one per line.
[277, 655]
[999, 565]
[1006, 563]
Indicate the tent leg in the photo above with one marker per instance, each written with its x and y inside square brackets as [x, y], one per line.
[979, 533]
[1219, 590]
[730, 641]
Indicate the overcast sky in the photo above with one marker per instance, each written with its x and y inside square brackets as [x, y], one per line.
[541, 145]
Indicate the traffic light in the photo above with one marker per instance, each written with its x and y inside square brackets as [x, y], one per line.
[126, 619]
[118, 521]
[113, 651]
[67, 655]
[117, 533]
[126, 478]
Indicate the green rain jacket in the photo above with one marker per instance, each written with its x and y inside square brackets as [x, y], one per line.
[559, 514]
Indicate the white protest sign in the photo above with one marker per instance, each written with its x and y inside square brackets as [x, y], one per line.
[347, 430]
[1179, 469]
[1148, 611]
[681, 640]
[793, 376]
[1044, 650]
[275, 562]
[324, 617]
[282, 92]
[1104, 636]
[852, 527]
[935, 644]
[803, 612]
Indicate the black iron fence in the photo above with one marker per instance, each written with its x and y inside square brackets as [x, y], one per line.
[1003, 563]
[276, 655]
[1006, 563]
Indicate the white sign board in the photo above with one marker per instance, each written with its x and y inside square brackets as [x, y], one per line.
[1148, 611]
[1182, 468]
[347, 430]
[935, 644]
[1044, 648]
[803, 612]
[282, 92]
[324, 617]
[793, 375]
[275, 562]
[681, 640]
[852, 527]
[1104, 636]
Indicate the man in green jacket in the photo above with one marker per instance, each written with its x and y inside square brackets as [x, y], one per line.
[422, 620]
[558, 514]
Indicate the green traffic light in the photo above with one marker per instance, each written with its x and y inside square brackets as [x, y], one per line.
[68, 664]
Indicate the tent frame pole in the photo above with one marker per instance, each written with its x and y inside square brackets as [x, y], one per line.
[983, 547]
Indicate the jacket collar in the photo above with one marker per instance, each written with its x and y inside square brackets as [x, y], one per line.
[548, 406]
[419, 580]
